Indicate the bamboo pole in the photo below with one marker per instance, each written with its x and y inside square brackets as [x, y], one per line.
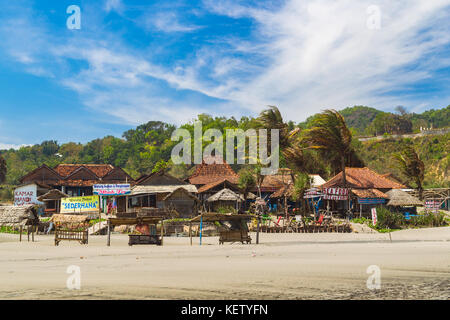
[162, 231]
[109, 234]
[190, 231]
[201, 228]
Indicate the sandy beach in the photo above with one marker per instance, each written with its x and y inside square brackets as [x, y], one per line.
[415, 265]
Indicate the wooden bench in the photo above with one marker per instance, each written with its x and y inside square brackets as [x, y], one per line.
[81, 236]
[234, 236]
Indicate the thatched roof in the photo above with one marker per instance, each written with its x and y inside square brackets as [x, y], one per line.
[68, 219]
[133, 221]
[402, 199]
[18, 215]
[53, 194]
[225, 195]
[212, 217]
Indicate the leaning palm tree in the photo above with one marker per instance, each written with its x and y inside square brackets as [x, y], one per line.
[411, 166]
[330, 133]
[271, 119]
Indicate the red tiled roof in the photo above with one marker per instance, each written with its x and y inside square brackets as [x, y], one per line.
[285, 190]
[214, 184]
[209, 173]
[362, 178]
[369, 193]
[276, 181]
[100, 170]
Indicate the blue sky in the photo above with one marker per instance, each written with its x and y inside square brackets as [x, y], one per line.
[170, 60]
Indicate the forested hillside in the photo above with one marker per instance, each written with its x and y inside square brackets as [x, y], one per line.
[148, 146]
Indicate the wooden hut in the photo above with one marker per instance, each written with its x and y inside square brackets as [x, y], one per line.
[151, 191]
[149, 224]
[367, 188]
[224, 198]
[19, 217]
[183, 202]
[400, 198]
[52, 200]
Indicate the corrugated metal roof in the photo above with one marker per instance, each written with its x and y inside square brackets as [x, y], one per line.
[161, 189]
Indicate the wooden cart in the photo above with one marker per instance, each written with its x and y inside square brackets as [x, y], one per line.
[234, 236]
[81, 236]
[144, 239]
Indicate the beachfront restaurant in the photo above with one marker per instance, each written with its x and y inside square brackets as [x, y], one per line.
[363, 190]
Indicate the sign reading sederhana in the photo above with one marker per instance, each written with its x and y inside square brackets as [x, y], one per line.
[80, 204]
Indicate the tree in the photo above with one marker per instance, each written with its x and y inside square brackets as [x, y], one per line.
[3, 169]
[247, 181]
[302, 182]
[330, 134]
[411, 166]
[271, 119]
[161, 165]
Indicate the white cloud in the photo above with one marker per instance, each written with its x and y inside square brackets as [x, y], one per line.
[7, 146]
[168, 22]
[303, 56]
[114, 5]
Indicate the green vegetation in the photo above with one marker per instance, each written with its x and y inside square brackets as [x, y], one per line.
[432, 150]
[388, 221]
[147, 148]
[12, 230]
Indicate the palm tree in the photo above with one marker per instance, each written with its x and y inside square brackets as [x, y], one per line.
[271, 119]
[411, 166]
[330, 133]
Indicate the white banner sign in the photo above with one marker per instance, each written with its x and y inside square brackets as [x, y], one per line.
[112, 189]
[374, 216]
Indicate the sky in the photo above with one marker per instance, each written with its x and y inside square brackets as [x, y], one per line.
[133, 61]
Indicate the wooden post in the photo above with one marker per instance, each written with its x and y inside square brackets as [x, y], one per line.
[257, 230]
[162, 231]
[109, 234]
[201, 227]
[20, 230]
[190, 231]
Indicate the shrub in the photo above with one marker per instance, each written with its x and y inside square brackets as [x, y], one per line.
[388, 219]
[429, 220]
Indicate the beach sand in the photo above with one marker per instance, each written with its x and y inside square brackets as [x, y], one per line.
[415, 265]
